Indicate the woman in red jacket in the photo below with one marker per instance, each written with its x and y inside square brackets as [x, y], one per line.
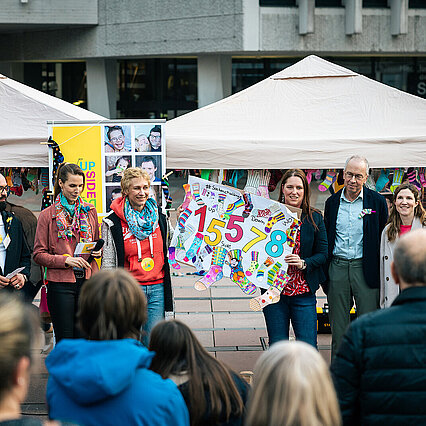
[60, 228]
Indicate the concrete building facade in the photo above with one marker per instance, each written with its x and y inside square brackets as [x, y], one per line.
[161, 58]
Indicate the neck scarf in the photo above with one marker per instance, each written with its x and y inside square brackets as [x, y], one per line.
[141, 224]
[72, 217]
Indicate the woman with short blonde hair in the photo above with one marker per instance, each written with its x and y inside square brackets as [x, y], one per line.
[292, 386]
[135, 235]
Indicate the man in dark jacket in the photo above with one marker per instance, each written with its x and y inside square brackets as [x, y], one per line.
[380, 368]
[354, 219]
[14, 251]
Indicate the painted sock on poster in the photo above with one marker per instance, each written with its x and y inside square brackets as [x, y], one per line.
[272, 295]
[172, 258]
[329, 179]
[195, 247]
[183, 218]
[248, 205]
[232, 207]
[204, 252]
[196, 193]
[273, 220]
[198, 263]
[254, 263]
[215, 272]
[188, 195]
[272, 272]
[221, 203]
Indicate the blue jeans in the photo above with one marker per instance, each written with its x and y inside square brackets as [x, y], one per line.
[155, 298]
[302, 312]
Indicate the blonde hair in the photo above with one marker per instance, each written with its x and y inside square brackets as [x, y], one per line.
[132, 173]
[18, 325]
[292, 386]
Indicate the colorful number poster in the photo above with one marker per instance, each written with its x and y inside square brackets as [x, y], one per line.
[241, 236]
[104, 150]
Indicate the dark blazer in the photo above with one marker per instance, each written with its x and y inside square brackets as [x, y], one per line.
[379, 370]
[313, 250]
[373, 225]
[17, 253]
[117, 234]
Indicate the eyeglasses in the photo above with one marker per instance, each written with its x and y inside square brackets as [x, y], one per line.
[350, 175]
[119, 138]
[4, 188]
[155, 137]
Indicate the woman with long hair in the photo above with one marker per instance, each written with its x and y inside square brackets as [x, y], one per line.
[104, 379]
[214, 394]
[407, 214]
[298, 301]
[292, 386]
[135, 235]
[68, 221]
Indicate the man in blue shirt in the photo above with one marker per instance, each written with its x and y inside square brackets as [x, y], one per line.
[354, 218]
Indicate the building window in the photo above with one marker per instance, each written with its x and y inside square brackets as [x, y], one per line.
[328, 3]
[157, 88]
[277, 3]
[419, 4]
[375, 3]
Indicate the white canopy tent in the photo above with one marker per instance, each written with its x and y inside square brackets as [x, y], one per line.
[313, 114]
[24, 113]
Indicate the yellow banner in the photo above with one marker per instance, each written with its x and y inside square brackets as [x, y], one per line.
[82, 145]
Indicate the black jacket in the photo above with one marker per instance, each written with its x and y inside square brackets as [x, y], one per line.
[373, 225]
[380, 368]
[313, 249]
[117, 234]
[17, 252]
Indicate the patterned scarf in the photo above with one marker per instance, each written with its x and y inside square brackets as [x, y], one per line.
[72, 217]
[141, 224]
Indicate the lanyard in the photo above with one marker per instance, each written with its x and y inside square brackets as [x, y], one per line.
[151, 248]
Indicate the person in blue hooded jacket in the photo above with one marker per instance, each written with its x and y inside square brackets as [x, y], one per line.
[105, 380]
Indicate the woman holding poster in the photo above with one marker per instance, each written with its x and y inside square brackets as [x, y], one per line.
[135, 234]
[60, 228]
[298, 301]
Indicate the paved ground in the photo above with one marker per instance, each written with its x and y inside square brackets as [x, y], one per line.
[220, 317]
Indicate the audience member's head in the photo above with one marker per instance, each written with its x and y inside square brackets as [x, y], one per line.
[177, 353]
[112, 306]
[292, 386]
[18, 325]
[409, 260]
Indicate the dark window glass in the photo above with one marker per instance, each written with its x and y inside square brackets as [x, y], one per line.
[328, 3]
[157, 88]
[74, 88]
[277, 2]
[374, 3]
[419, 4]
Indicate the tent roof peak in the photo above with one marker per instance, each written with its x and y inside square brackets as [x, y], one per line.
[313, 67]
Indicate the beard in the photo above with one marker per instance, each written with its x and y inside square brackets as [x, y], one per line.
[2, 206]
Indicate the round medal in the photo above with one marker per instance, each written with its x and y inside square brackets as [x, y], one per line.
[147, 264]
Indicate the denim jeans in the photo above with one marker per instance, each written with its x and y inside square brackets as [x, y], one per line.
[300, 310]
[155, 297]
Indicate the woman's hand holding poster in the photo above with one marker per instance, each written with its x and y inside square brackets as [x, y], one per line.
[242, 236]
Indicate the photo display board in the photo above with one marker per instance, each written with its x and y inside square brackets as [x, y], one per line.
[104, 150]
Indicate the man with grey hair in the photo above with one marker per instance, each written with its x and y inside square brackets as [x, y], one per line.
[380, 368]
[354, 218]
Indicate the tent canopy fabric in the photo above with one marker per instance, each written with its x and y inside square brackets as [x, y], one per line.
[24, 113]
[314, 114]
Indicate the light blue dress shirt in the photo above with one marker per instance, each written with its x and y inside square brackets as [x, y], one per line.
[349, 228]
